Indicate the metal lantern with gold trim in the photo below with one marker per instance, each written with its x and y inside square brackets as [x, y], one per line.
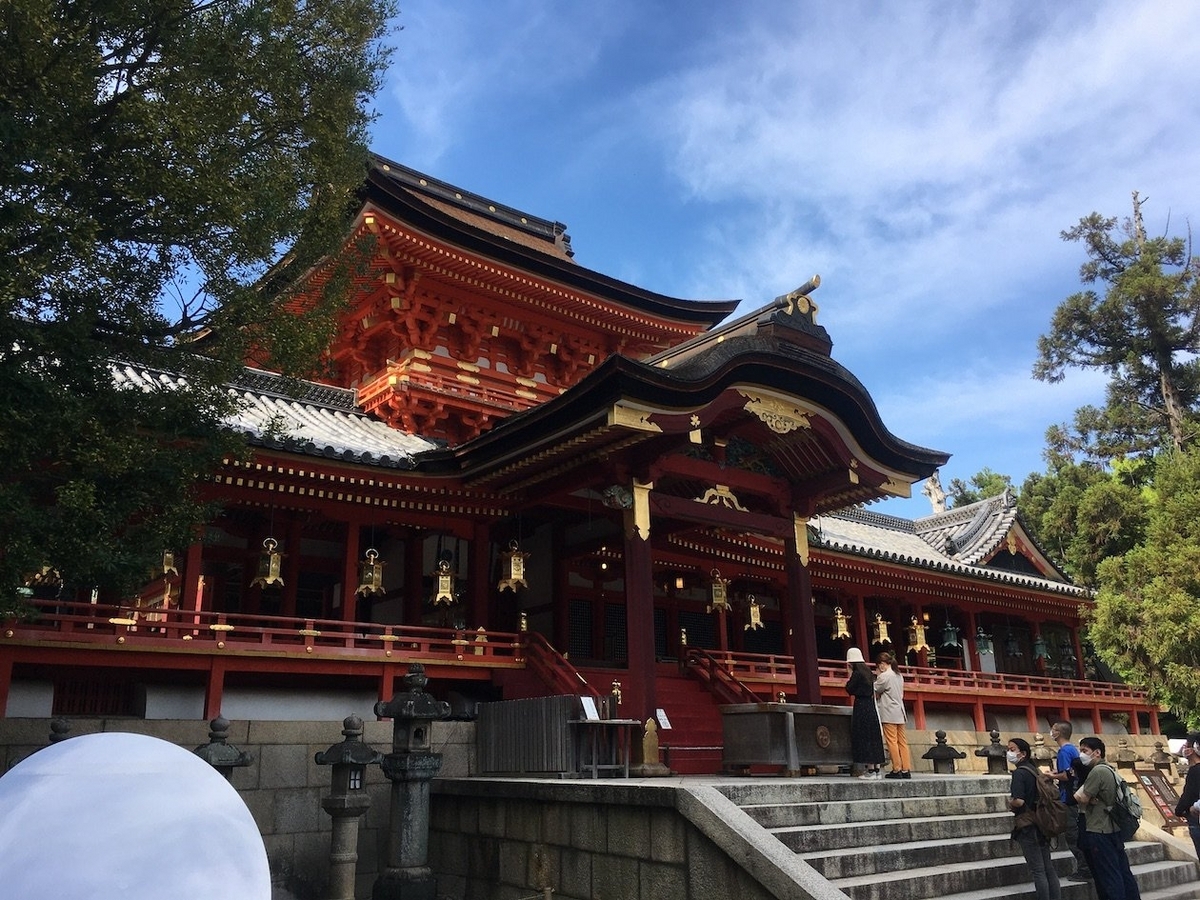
[841, 625]
[879, 632]
[719, 591]
[168, 563]
[444, 579]
[755, 615]
[512, 568]
[370, 575]
[916, 636]
[269, 563]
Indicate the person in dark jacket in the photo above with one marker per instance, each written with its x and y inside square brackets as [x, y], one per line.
[1023, 800]
[1186, 806]
[866, 737]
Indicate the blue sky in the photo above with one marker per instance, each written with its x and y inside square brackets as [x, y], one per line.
[923, 158]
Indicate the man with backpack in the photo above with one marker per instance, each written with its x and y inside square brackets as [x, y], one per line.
[1101, 837]
[1064, 775]
[1024, 801]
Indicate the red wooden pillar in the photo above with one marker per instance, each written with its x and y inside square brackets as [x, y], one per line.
[350, 566]
[1078, 653]
[980, 720]
[1135, 723]
[976, 663]
[919, 713]
[193, 577]
[1154, 729]
[1096, 720]
[214, 692]
[414, 559]
[562, 592]
[862, 637]
[481, 574]
[1031, 717]
[639, 693]
[798, 613]
[291, 568]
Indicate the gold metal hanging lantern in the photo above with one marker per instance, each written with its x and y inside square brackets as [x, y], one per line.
[512, 568]
[718, 591]
[370, 575]
[269, 563]
[879, 632]
[916, 636]
[841, 625]
[755, 615]
[168, 563]
[444, 578]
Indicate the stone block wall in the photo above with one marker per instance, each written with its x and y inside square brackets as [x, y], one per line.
[282, 786]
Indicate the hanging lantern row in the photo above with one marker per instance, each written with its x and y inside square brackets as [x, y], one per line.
[879, 630]
[916, 636]
[841, 625]
[444, 579]
[269, 563]
[755, 615]
[983, 641]
[718, 591]
[512, 568]
[370, 575]
[950, 635]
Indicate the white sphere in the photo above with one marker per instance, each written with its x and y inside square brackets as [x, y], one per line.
[108, 816]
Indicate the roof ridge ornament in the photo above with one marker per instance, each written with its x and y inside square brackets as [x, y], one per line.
[798, 301]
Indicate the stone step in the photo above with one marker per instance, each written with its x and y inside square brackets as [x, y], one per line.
[1163, 880]
[855, 862]
[850, 789]
[889, 832]
[774, 815]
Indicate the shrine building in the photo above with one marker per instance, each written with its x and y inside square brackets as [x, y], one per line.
[536, 479]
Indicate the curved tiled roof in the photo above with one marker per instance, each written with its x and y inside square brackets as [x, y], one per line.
[969, 533]
[302, 417]
[891, 539]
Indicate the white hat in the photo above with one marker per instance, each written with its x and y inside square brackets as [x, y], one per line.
[854, 655]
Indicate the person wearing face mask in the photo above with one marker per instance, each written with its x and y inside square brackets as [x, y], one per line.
[1186, 806]
[1101, 838]
[1022, 801]
[1064, 776]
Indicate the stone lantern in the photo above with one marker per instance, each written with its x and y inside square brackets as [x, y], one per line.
[410, 767]
[996, 755]
[942, 755]
[346, 803]
[218, 753]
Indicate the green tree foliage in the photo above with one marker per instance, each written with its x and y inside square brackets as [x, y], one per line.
[1081, 512]
[983, 484]
[1144, 331]
[168, 170]
[1146, 622]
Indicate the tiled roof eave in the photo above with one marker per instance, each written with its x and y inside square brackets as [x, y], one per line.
[955, 568]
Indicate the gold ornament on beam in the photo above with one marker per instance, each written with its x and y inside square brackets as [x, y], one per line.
[512, 568]
[370, 575]
[269, 563]
[916, 636]
[879, 632]
[445, 583]
[841, 625]
[718, 590]
[755, 615]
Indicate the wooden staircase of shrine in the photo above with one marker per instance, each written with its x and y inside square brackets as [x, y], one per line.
[692, 745]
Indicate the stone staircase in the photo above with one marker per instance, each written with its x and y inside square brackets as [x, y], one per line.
[943, 836]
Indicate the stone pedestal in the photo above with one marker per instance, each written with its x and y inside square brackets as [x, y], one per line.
[794, 736]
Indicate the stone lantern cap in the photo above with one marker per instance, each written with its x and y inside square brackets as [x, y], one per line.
[217, 752]
[941, 750]
[352, 751]
[416, 702]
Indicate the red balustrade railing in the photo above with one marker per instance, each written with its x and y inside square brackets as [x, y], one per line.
[192, 630]
[554, 669]
[718, 677]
